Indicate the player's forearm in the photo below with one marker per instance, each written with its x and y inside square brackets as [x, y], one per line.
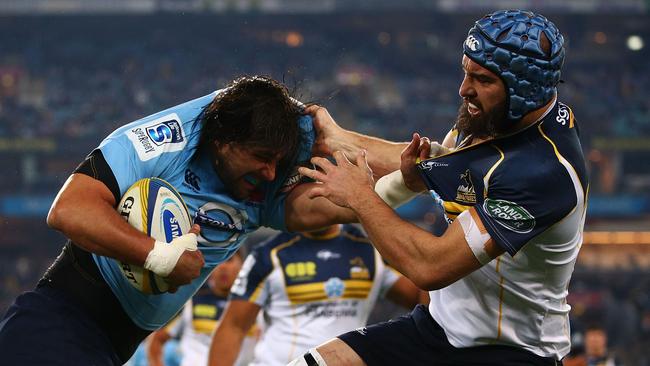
[383, 156]
[225, 347]
[154, 354]
[84, 213]
[405, 246]
[305, 214]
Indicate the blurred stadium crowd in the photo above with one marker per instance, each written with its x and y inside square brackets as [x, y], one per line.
[67, 81]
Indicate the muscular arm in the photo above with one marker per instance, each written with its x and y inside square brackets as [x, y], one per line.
[84, 211]
[155, 345]
[303, 213]
[227, 339]
[404, 293]
[383, 155]
[430, 262]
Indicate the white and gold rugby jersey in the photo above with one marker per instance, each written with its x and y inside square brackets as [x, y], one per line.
[311, 289]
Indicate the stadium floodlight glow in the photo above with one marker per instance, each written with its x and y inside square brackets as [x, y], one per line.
[294, 39]
[600, 37]
[383, 38]
[635, 43]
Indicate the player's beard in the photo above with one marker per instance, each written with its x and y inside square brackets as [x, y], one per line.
[489, 124]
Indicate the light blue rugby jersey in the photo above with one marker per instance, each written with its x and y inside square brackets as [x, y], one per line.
[163, 145]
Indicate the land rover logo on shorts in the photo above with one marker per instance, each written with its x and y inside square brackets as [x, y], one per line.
[510, 215]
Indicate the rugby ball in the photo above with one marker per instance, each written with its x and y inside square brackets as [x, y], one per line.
[154, 207]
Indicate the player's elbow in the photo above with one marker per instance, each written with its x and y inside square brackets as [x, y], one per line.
[431, 280]
[60, 216]
[55, 217]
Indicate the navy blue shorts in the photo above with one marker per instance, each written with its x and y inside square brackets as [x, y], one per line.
[416, 339]
[71, 318]
[42, 327]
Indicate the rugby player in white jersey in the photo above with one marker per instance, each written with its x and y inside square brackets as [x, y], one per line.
[310, 287]
[516, 184]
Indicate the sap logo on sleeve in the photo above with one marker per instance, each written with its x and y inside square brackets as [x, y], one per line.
[164, 134]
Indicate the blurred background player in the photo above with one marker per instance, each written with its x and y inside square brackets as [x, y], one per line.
[597, 351]
[310, 286]
[198, 320]
[594, 350]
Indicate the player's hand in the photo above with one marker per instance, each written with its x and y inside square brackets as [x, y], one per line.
[329, 135]
[418, 149]
[345, 184]
[189, 264]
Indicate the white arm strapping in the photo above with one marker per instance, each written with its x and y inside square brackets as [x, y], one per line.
[475, 239]
[162, 259]
[392, 189]
[437, 150]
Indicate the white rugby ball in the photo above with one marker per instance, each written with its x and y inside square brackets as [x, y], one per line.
[154, 207]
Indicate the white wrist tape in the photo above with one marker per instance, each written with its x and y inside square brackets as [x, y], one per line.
[162, 259]
[392, 189]
[437, 150]
[475, 238]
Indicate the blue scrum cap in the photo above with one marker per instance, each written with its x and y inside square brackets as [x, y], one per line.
[508, 43]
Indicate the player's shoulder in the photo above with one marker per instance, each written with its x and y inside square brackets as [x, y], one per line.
[264, 249]
[261, 255]
[174, 129]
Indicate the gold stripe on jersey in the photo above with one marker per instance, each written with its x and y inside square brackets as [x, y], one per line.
[571, 116]
[312, 292]
[500, 300]
[559, 156]
[205, 311]
[453, 209]
[487, 176]
[204, 326]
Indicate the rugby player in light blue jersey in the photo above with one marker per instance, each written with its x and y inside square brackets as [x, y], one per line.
[515, 185]
[232, 155]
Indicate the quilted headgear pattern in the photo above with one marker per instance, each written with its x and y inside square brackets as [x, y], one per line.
[507, 43]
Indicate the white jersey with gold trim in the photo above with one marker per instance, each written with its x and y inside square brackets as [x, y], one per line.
[195, 325]
[311, 290]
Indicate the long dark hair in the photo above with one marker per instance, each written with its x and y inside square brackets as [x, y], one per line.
[253, 111]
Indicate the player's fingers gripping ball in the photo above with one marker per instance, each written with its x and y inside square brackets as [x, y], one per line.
[154, 207]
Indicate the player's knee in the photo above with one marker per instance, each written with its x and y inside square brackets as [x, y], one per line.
[310, 358]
